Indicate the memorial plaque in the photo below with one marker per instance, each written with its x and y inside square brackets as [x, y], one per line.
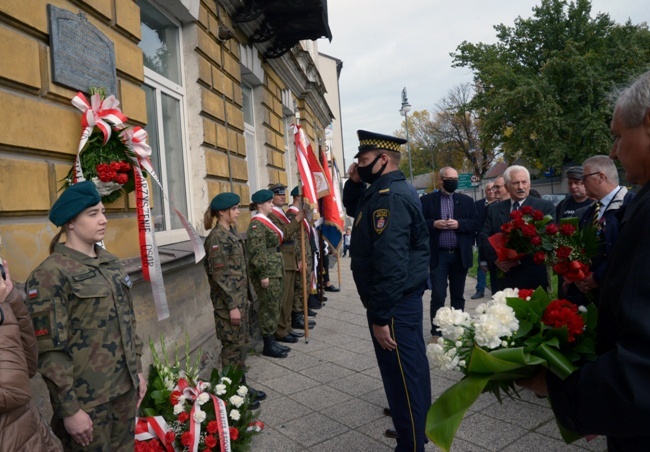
[82, 56]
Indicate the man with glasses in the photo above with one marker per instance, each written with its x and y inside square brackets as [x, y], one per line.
[499, 189]
[452, 221]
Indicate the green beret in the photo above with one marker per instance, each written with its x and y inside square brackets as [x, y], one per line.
[73, 201]
[294, 192]
[224, 201]
[261, 196]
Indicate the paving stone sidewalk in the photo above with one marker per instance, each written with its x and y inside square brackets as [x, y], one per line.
[327, 394]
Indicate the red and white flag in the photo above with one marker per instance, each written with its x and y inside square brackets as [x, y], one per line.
[332, 227]
[314, 182]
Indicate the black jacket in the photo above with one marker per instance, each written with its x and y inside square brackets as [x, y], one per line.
[527, 275]
[466, 215]
[389, 245]
[610, 396]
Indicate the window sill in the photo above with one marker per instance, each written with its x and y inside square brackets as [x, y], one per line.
[173, 257]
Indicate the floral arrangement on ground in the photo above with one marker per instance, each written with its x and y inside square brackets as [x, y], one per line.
[511, 337]
[182, 413]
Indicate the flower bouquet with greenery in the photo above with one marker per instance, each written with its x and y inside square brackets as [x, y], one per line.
[568, 250]
[188, 414]
[507, 339]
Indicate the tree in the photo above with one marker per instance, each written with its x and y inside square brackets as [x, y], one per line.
[543, 88]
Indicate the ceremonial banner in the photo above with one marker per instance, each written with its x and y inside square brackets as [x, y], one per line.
[332, 227]
[314, 182]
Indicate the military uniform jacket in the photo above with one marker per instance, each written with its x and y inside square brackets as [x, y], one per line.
[85, 327]
[264, 256]
[389, 244]
[226, 268]
[309, 249]
[288, 246]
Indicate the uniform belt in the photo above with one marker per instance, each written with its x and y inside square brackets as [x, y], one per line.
[448, 250]
[276, 248]
[289, 242]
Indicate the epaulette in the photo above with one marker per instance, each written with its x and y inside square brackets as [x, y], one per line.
[384, 191]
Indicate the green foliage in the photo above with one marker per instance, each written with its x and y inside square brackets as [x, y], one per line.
[543, 88]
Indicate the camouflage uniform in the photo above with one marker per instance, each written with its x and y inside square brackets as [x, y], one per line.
[89, 353]
[226, 268]
[265, 261]
[309, 257]
[290, 266]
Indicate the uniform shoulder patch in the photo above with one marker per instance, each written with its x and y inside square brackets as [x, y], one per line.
[380, 219]
[33, 293]
[42, 324]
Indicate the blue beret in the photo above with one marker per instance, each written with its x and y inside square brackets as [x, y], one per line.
[294, 192]
[261, 196]
[73, 201]
[224, 201]
[371, 141]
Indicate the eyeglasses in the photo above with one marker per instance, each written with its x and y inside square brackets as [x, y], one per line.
[590, 174]
[497, 187]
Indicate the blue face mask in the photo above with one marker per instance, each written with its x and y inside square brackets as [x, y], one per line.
[366, 174]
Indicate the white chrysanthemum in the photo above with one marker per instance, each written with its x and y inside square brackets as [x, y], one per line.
[199, 416]
[441, 359]
[506, 315]
[501, 296]
[234, 415]
[488, 331]
[236, 400]
[226, 380]
[203, 398]
[178, 408]
[220, 389]
[242, 391]
[452, 323]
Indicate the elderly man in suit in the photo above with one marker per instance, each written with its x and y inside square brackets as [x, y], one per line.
[522, 273]
[452, 221]
[610, 396]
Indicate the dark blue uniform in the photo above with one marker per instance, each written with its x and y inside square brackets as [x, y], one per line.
[390, 262]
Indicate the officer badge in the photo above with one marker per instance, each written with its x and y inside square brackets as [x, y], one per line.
[380, 219]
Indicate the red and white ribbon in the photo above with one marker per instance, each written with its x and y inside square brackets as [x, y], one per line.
[269, 224]
[192, 394]
[147, 428]
[256, 426]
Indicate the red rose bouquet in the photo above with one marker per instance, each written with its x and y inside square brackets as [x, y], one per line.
[522, 235]
[184, 413]
[568, 250]
[508, 338]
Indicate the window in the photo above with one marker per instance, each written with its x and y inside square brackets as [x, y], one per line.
[249, 137]
[163, 86]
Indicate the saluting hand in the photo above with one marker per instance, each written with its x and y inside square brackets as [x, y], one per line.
[353, 173]
[382, 334]
[80, 427]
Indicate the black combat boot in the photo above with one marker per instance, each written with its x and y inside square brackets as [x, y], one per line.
[272, 348]
[298, 321]
[255, 395]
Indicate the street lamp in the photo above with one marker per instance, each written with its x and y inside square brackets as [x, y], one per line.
[406, 107]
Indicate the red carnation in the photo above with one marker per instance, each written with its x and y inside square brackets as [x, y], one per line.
[567, 229]
[183, 417]
[561, 268]
[537, 215]
[234, 434]
[529, 230]
[170, 436]
[539, 257]
[122, 178]
[186, 439]
[516, 214]
[506, 227]
[213, 427]
[104, 176]
[526, 210]
[536, 241]
[125, 167]
[564, 252]
[115, 166]
[525, 293]
[563, 313]
[210, 441]
[551, 229]
[518, 223]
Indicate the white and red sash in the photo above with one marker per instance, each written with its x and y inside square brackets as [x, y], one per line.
[269, 224]
[278, 212]
[305, 223]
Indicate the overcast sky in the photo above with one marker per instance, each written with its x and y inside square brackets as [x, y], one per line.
[386, 45]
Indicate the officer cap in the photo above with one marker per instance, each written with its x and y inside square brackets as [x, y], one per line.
[224, 201]
[370, 141]
[261, 196]
[575, 172]
[73, 201]
[278, 189]
[294, 191]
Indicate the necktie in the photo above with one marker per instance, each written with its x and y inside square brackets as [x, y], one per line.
[595, 223]
[515, 205]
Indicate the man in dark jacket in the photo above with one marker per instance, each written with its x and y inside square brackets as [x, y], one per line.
[610, 395]
[452, 221]
[390, 260]
[522, 273]
[481, 207]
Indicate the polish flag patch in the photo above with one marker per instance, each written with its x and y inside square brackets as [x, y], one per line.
[32, 293]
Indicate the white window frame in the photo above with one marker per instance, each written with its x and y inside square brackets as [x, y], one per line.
[161, 84]
[249, 131]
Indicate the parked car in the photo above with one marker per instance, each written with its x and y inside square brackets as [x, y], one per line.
[555, 198]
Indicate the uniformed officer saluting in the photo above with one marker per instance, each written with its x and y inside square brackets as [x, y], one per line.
[390, 262]
[227, 272]
[88, 350]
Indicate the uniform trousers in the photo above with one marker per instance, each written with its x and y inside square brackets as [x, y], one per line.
[113, 426]
[450, 267]
[270, 302]
[405, 373]
[284, 321]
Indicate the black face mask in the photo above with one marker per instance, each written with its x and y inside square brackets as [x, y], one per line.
[366, 174]
[450, 186]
